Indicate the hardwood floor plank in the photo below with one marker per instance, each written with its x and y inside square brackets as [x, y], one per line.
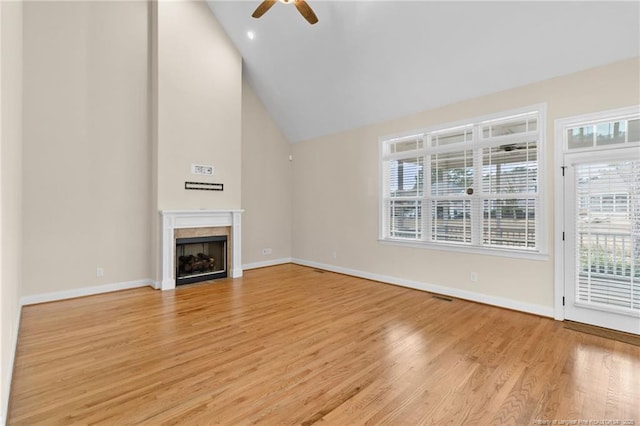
[289, 345]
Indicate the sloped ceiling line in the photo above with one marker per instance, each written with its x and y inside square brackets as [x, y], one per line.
[370, 61]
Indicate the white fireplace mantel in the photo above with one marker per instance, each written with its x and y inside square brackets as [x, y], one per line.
[176, 219]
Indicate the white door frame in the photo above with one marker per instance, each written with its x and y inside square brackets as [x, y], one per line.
[559, 196]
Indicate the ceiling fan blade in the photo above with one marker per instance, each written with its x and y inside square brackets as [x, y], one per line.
[306, 11]
[262, 9]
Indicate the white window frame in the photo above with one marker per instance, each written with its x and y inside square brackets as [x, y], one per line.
[541, 251]
[561, 126]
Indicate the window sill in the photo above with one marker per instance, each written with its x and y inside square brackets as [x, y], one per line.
[529, 255]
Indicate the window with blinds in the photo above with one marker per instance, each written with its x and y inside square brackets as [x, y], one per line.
[608, 234]
[472, 185]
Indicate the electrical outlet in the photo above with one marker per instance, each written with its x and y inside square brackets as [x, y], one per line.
[334, 255]
[266, 251]
[474, 277]
[99, 272]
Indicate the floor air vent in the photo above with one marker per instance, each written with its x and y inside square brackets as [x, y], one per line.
[446, 299]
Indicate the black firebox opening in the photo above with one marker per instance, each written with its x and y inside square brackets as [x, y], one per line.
[200, 259]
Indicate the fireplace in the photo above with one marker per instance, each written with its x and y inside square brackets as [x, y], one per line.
[186, 224]
[200, 259]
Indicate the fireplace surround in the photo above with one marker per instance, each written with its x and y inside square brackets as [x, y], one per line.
[197, 224]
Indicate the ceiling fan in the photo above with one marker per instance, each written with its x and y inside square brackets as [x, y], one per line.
[513, 147]
[302, 6]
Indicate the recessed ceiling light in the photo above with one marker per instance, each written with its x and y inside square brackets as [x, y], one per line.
[251, 35]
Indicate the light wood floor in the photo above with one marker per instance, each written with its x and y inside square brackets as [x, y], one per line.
[290, 345]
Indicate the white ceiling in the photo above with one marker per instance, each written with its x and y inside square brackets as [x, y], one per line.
[370, 61]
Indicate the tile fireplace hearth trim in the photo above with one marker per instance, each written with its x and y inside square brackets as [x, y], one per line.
[176, 219]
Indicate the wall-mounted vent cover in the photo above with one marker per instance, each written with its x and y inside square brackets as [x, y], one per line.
[199, 169]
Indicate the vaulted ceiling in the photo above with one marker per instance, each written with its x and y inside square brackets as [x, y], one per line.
[370, 61]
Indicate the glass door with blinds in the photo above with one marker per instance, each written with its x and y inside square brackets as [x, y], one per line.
[602, 224]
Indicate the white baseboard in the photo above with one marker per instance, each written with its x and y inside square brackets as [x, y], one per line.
[85, 291]
[6, 386]
[515, 305]
[266, 263]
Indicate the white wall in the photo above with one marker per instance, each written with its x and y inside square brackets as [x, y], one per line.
[10, 188]
[335, 192]
[120, 99]
[105, 105]
[266, 185]
[199, 91]
[86, 145]
[195, 110]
